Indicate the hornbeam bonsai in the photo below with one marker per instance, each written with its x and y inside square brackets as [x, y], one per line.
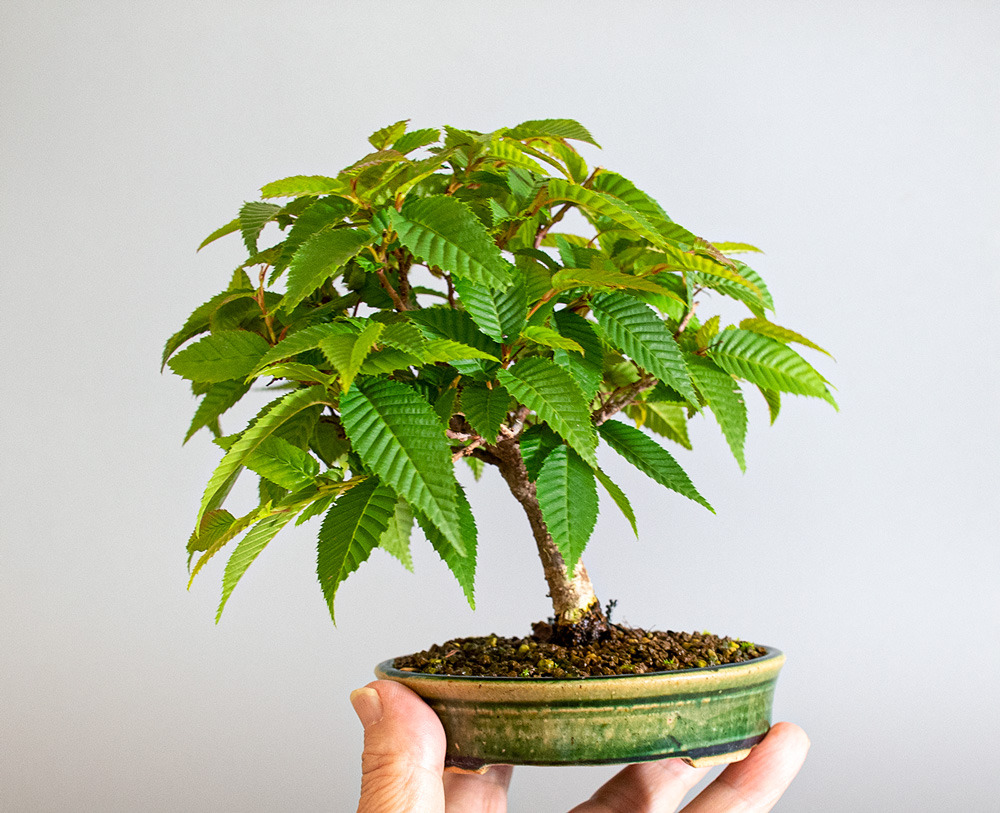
[424, 309]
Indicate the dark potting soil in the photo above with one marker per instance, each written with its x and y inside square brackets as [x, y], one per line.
[620, 651]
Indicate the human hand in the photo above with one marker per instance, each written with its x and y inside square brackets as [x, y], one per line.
[402, 769]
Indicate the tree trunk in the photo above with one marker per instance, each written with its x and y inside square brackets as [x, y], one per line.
[578, 614]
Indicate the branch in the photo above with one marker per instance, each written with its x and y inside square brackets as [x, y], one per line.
[621, 398]
[687, 316]
[396, 300]
[543, 232]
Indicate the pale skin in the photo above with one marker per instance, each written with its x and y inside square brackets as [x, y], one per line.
[403, 769]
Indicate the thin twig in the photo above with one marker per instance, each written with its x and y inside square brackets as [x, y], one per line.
[624, 397]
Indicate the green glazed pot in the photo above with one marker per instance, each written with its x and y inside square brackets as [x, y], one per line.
[705, 716]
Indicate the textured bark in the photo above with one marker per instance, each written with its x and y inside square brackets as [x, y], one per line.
[573, 598]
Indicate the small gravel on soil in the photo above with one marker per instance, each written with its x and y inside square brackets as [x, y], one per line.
[623, 651]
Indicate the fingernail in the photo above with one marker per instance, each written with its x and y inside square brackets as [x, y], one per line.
[367, 705]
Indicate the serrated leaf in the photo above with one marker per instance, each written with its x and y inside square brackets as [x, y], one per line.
[222, 231]
[600, 203]
[708, 331]
[303, 373]
[323, 214]
[321, 257]
[727, 248]
[485, 409]
[782, 334]
[726, 402]
[299, 185]
[499, 314]
[416, 139]
[600, 278]
[444, 232]
[588, 370]
[350, 531]
[620, 187]
[395, 540]
[385, 137]
[666, 420]
[650, 458]
[634, 329]
[283, 464]
[536, 442]
[554, 128]
[308, 338]
[505, 152]
[552, 393]
[196, 324]
[619, 499]
[567, 495]
[221, 536]
[456, 325]
[220, 356]
[247, 551]
[254, 215]
[768, 363]
[213, 525]
[547, 337]
[348, 353]
[773, 400]
[220, 397]
[278, 412]
[398, 436]
[463, 568]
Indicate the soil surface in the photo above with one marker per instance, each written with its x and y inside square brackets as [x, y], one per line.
[620, 651]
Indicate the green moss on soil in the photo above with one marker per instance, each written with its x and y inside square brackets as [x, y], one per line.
[620, 651]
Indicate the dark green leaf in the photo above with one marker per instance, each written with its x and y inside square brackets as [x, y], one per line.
[499, 314]
[321, 257]
[283, 464]
[485, 409]
[462, 567]
[253, 217]
[567, 495]
[588, 369]
[222, 231]
[219, 398]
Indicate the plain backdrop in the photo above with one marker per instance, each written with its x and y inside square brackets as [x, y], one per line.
[857, 143]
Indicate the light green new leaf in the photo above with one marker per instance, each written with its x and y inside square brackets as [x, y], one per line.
[196, 324]
[219, 398]
[773, 400]
[485, 409]
[283, 464]
[506, 152]
[253, 217]
[396, 538]
[348, 353]
[213, 525]
[736, 248]
[551, 128]
[308, 338]
[666, 420]
[601, 278]
[619, 498]
[397, 434]
[350, 531]
[280, 410]
[299, 185]
[444, 232]
[463, 568]
[320, 215]
[620, 187]
[782, 334]
[293, 371]
[416, 139]
[247, 551]
[220, 535]
[726, 402]
[499, 314]
[605, 205]
[547, 337]
[385, 137]
[222, 231]
[458, 326]
[553, 394]
[567, 495]
[768, 363]
[632, 328]
[220, 356]
[321, 256]
[650, 458]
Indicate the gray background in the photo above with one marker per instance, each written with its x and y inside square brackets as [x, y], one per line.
[856, 142]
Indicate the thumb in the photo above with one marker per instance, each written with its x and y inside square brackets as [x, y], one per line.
[403, 760]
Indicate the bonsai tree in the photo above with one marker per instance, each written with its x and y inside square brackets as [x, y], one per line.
[423, 309]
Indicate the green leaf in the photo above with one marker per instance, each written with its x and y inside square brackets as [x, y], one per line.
[308, 338]
[588, 370]
[278, 412]
[463, 568]
[536, 442]
[551, 128]
[666, 420]
[603, 204]
[396, 538]
[220, 397]
[196, 324]
[567, 495]
[456, 325]
[283, 464]
[499, 314]
[350, 531]
[767, 363]
[253, 217]
[416, 139]
[634, 329]
[506, 152]
[726, 402]
[322, 256]
[303, 373]
[736, 248]
[547, 337]
[220, 356]
[216, 535]
[298, 185]
[485, 409]
[620, 187]
[222, 231]
[782, 334]
[247, 551]
[619, 498]
[444, 232]
[773, 400]
[348, 353]
[650, 458]
[385, 137]
[603, 278]
[213, 525]
[321, 215]
[398, 436]
[553, 394]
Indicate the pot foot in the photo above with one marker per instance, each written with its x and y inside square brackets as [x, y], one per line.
[717, 759]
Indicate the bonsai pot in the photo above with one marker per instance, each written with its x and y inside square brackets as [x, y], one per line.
[705, 716]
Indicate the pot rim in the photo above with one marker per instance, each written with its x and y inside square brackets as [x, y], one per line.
[772, 654]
